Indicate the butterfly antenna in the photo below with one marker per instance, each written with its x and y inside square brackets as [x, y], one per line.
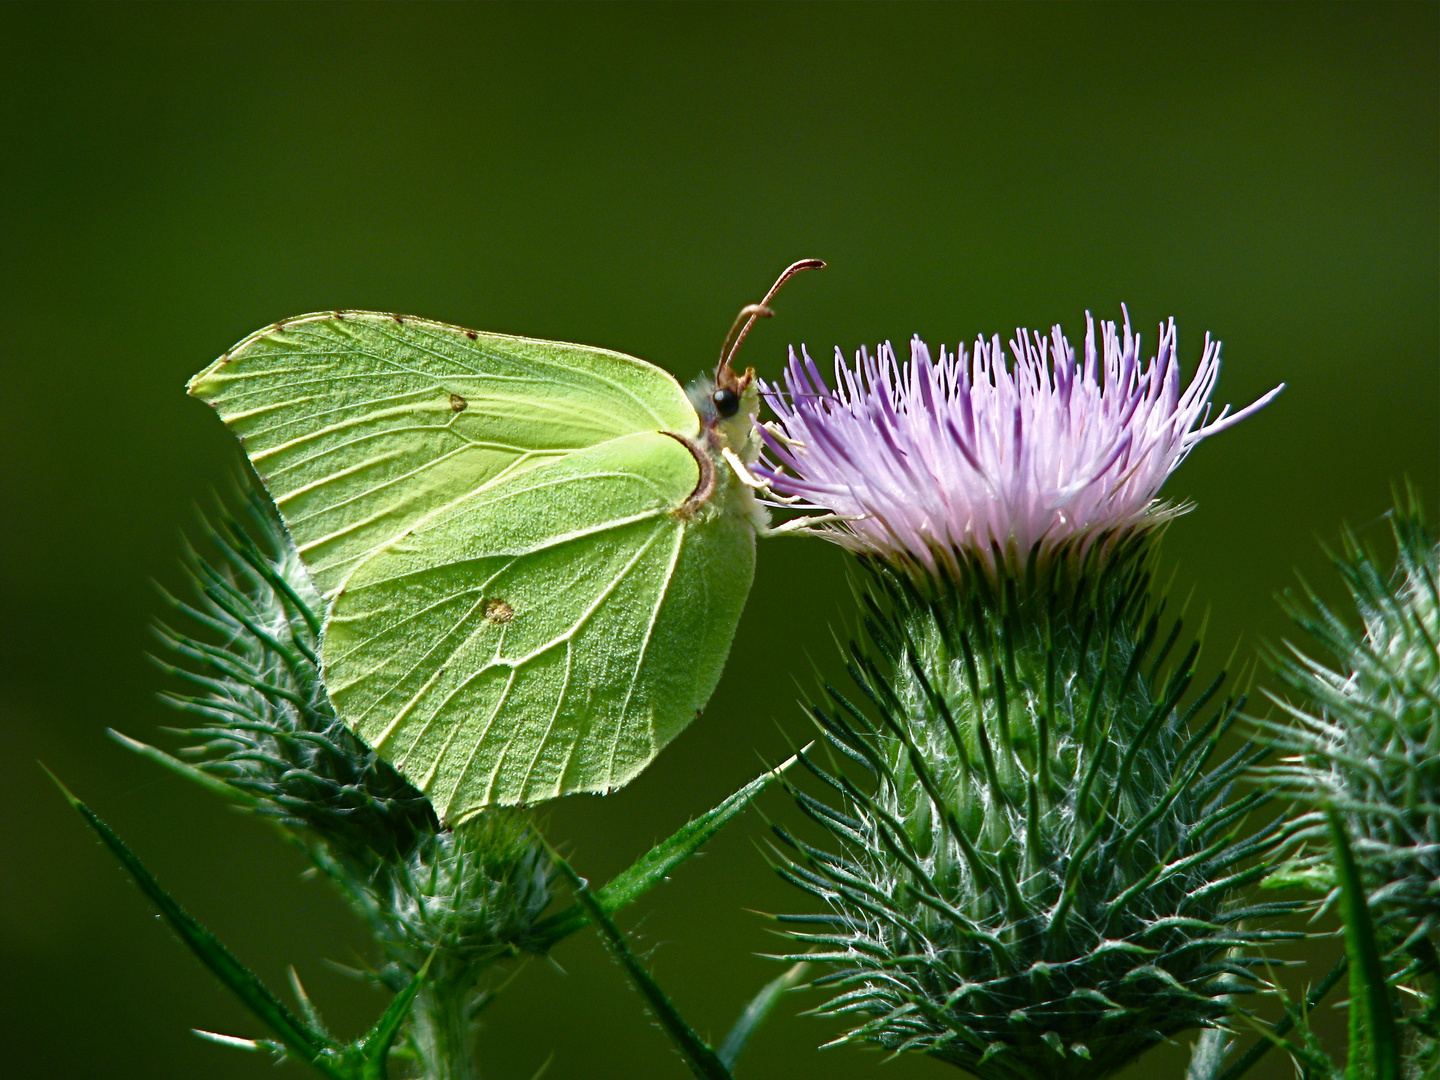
[750, 312]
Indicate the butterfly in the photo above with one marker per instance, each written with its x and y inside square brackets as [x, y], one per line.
[533, 554]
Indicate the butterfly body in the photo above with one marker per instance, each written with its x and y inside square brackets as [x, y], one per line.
[533, 554]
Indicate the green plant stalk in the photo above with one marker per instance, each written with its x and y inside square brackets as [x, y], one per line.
[442, 1031]
[442, 1027]
[701, 1058]
[1374, 1043]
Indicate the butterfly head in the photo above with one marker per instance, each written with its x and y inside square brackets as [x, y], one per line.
[734, 400]
[729, 403]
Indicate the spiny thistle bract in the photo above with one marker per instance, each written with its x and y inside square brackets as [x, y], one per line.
[1037, 876]
[1036, 873]
[1364, 737]
[458, 898]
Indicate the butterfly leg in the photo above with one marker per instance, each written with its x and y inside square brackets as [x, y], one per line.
[753, 482]
[778, 434]
[801, 526]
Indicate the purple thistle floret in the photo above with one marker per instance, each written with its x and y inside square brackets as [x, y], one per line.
[946, 463]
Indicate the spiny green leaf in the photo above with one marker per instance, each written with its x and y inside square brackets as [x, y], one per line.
[755, 1012]
[316, 1048]
[373, 1048]
[185, 769]
[698, 1055]
[652, 867]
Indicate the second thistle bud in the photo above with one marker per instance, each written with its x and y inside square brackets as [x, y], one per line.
[449, 902]
[1369, 741]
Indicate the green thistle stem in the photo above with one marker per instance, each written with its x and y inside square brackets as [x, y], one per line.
[442, 1031]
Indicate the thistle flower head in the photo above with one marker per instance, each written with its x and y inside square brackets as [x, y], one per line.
[942, 462]
[1032, 870]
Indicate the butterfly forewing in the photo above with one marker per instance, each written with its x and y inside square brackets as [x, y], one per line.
[362, 424]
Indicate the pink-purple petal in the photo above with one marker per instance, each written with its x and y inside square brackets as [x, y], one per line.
[957, 456]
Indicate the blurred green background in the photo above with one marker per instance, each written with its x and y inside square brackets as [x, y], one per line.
[175, 176]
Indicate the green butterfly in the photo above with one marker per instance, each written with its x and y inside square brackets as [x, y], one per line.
[533, 554]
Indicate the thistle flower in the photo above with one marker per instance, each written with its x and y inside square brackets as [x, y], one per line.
[1033, 870]
[966, 455]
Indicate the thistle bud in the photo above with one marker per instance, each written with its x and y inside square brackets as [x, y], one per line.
[455, 900]
[1362, 736]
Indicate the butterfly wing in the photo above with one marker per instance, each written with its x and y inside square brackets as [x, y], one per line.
[521, 604]
[362, 424]
[547, 635]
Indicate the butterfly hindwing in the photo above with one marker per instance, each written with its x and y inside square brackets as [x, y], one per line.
[549, 634]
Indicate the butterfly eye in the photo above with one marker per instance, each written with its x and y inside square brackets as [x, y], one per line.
[727, 402]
